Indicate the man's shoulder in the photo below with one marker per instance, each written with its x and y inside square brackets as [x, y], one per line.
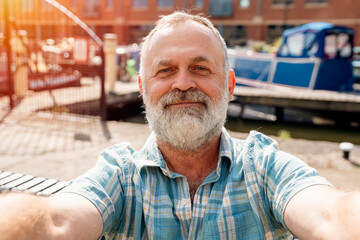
[256, 136]
[123, 154]
[119, 149]
[255, 147]
[259, 141]
[120, 153]
[261, 150]
[254, 139]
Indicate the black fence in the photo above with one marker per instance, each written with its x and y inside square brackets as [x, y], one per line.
[49, 60]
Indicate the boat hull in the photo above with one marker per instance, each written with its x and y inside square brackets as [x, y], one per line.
[260, 70]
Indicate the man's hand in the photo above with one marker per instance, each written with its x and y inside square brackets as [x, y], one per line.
[62, 216]
[322, 212]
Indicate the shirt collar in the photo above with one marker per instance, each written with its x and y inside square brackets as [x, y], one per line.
[226, 148]
[150, 155]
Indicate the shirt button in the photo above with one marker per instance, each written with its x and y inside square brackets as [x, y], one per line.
[183, 202]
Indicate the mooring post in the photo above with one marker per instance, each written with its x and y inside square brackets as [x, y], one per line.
[110, 43]
[279, 113]
[346, 147]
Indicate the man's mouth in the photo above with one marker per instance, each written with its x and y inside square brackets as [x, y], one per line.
[182, 100]
[184, 104]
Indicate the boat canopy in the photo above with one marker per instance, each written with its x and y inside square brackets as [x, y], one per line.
[317, 39]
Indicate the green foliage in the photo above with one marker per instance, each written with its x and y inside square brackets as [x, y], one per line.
[130, 67]
[284, 135]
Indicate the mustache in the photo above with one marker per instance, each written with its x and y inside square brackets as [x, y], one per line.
[193, 95]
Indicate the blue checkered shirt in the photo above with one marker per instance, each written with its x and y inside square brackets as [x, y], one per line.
[244, 198]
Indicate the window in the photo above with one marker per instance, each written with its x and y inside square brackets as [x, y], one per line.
[330, 46]
[140, 3]
[110, 3]
[337, 44]
[316, 1]
[27, 5]
[310, 44]
[282, 2]
[199, 3]
[137, 33]
[165, 3]
[274, 32]
[234, 35]
[343, 45]
[73, 3]
[91, 9]
[221, 8]
[295, 44]
[244, 3]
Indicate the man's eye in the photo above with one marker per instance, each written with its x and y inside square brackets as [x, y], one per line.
[164, 72]
[200, 70]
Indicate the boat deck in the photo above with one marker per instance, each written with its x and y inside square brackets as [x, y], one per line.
[296, 98]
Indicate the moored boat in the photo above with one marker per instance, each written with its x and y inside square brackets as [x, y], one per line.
[314, 56]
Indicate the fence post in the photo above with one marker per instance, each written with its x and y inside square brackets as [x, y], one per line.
[110, 43]
[103, 104]
[8, 53]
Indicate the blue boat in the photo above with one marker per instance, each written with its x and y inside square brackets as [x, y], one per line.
[316, 55]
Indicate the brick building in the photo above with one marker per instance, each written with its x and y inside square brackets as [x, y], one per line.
[238, 20]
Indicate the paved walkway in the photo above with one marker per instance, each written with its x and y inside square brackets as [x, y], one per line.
[57, 144]
[60, 146]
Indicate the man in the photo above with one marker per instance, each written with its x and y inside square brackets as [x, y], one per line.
[191, 180]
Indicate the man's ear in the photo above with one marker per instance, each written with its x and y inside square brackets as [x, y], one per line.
[140, 84]
[231, 83]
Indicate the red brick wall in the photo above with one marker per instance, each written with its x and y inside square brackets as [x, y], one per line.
[123, 15]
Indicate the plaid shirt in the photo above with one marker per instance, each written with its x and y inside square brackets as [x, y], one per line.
[244, 198]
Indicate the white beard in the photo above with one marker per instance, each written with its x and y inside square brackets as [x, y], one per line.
[187, 128]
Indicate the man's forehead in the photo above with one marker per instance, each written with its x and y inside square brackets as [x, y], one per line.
[169, 61]
[183, 28]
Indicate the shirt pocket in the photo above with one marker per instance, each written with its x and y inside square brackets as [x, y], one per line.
[240, 226]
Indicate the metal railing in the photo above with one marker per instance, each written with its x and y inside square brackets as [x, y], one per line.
[49, 60]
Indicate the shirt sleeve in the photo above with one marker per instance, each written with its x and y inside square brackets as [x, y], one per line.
[286, 176]
[280, 175]
[102, 185]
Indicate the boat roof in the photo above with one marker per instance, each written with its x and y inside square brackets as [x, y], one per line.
[315, 27]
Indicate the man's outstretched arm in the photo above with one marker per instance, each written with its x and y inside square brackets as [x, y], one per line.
[62, 216]
[323, 212]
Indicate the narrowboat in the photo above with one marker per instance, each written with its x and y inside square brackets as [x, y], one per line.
[315, 56]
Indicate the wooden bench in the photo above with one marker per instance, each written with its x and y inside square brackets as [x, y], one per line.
[27, 183]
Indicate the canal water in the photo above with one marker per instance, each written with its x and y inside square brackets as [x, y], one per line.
[298, 130]
[295, 125]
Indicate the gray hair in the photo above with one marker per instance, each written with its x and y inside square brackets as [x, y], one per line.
[174, 19]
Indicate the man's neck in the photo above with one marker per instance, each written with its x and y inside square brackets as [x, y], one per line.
[194, 165]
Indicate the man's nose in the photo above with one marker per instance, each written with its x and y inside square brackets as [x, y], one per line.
[183, 81]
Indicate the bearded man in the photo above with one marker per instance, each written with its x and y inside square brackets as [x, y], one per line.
[191, 180]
